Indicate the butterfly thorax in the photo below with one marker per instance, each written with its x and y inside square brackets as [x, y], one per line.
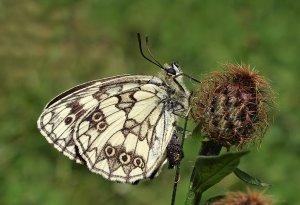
[178, 99]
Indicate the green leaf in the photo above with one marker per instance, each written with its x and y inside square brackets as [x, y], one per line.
[197, 134]
[249, 179]
[197, 130]
[210, 170]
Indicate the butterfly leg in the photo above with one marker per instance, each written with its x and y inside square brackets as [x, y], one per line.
[181, 130]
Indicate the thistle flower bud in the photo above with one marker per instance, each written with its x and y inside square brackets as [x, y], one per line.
[232, 105]
[240, 198]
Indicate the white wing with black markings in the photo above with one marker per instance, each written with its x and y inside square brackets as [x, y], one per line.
[121, 126]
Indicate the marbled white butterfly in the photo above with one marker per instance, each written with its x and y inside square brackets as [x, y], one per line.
[123, 127]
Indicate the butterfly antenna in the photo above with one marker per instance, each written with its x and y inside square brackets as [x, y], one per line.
[190, 77]
[177, 174]
[150, 53]
[158, 63]
[155, 62]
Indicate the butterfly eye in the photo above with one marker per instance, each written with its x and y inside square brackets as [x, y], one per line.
[171, 71]
[124, 158]
[173, 68]
[110, 151]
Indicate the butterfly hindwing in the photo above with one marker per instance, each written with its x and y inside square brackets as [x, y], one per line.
[57, 122]
[124, 138]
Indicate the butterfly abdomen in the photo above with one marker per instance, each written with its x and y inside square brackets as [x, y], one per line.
[174, 151]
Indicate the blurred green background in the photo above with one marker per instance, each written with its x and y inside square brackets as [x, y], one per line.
[48, 46]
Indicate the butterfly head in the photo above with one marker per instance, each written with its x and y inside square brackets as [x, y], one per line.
[173, 76]
[172, 69]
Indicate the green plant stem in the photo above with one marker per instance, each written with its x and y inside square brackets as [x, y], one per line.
[207, 148]
[176, 180]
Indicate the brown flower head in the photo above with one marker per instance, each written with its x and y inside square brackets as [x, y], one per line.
[240, 198]
[232, 105]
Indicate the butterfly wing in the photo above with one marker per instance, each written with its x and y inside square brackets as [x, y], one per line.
[59, 118]
[124, 138]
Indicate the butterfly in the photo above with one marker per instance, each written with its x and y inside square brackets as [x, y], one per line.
[122, 127]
